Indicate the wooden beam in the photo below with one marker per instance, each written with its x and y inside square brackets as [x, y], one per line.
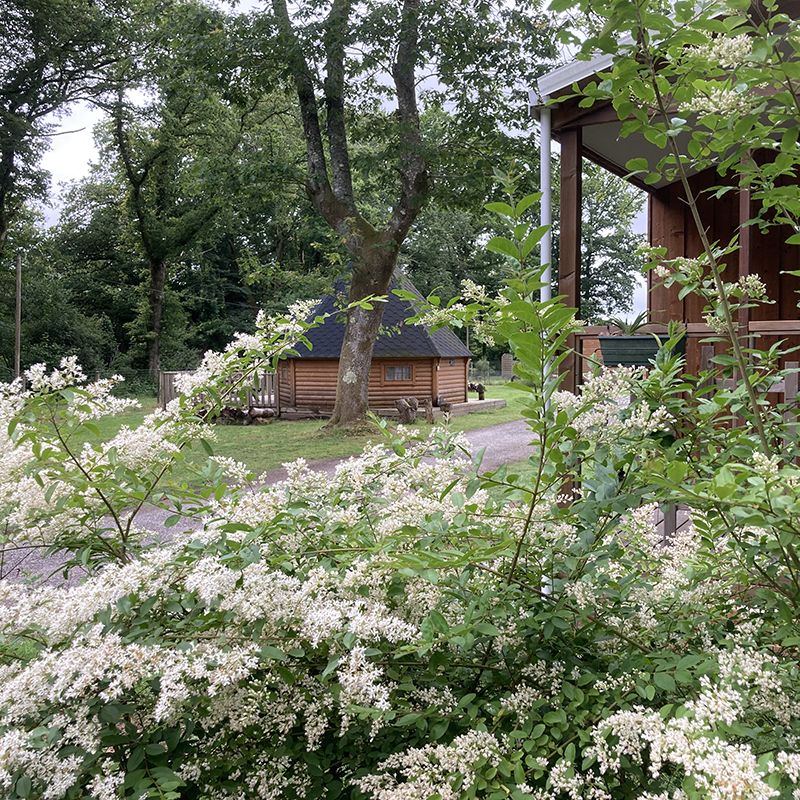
[566, 115]
[569, 261]
[745, 250]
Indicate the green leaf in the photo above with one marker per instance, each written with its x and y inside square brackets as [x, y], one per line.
[526, 202]
[637, 165]
[503, 246]
[503, 209]
[664, 681]
[23, 786]
[269, 651]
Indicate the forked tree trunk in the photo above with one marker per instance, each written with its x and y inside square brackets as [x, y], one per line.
[361, 331]
[374, 252]
[155, 298]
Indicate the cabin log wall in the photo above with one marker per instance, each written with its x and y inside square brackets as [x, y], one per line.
[451, 383]
[313, 382]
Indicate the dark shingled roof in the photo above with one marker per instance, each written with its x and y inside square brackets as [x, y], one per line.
[396, 340]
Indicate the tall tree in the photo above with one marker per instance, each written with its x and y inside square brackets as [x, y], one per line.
[177, 151]
[610, 262]
[54, 52]
[343, 56]
[447, 246]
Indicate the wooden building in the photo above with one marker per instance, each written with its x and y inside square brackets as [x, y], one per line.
[594, 133]
[408, 361]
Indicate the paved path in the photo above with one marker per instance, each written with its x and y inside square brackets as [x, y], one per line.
[501, 444]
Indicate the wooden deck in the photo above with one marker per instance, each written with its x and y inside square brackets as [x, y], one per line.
[261, 394]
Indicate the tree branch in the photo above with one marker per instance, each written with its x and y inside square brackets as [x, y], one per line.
[317, 182]
[413, 169]
[335, 34]
[135, 181]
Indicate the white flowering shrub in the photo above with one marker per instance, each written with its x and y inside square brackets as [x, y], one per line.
[407, 629]
[400, 631]
[63, 490]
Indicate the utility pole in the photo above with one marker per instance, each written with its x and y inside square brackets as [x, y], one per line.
[18, 321]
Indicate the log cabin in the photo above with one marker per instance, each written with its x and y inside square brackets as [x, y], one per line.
[408, 361]
[594, 133]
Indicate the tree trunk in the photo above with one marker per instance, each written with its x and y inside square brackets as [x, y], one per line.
[158, 272]
[3, 231]
[361, 331]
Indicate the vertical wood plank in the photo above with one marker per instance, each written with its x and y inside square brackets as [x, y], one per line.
[745, 250]
[666, 211]
[790, 414]
[789, 285]
[670, 514]
[767, 262]
[569, 262]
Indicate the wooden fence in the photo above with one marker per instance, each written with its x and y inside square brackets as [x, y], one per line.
[264, 394]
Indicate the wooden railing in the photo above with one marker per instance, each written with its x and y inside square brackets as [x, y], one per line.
[262, 395]
[587, 343]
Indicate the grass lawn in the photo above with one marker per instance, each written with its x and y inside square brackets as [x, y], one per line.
[266, 447]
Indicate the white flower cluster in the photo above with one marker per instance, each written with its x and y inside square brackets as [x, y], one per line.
[442, 770]
[473, 291]
[716, 323]
[43, 488]
[441, 315]
[604, 412]
[721, 100]
[543, 680]
[724, 51]
[238, 472]
[694, 742]
[403, 490]
[69, 373]
[752, 286]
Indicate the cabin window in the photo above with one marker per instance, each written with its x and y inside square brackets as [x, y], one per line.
[398, 373]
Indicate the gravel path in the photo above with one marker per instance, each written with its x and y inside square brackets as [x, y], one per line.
[501, 444]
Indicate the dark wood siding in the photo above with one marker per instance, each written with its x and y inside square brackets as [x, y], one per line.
[315, 382]
[671, 226]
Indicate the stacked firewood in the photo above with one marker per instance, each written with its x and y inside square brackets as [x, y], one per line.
[231, 415]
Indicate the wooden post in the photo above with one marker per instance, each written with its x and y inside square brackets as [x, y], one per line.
[790, 390]
[569, 262]
[745, 252]
[162, 395]
[18, 321]
[670, 513]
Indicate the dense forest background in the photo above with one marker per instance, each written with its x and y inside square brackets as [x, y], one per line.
[200, 174]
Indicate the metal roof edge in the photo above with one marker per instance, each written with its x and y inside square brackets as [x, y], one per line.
[566, 75]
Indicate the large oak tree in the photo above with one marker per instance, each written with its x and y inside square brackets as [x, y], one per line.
[386, 60]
